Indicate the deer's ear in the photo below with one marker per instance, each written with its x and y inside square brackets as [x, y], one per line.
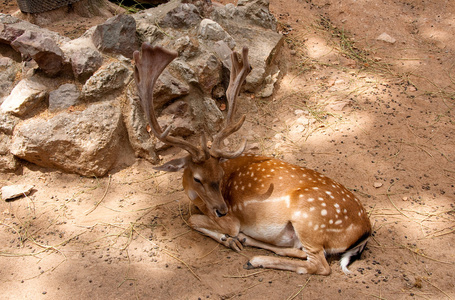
[173, 165]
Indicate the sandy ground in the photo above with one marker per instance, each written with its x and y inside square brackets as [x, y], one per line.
[375, 116]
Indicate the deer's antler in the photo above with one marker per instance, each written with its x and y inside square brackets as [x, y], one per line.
[149, 64]
[239, 70]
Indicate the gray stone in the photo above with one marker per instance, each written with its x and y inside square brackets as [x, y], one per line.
[7, 123]
[223, 53]
[8, 163]
[8, 71]
[269, 87]
[251, 24]
[42, 49]
[386, 38]
[187, 47]
[181, 125]
[185, 15]
[9, 33]
[65, 96]
[84, 58]
[212, 31]
[83, 142]
[117, 35]
[208, 72]
[205, 113]
[107, 79]
[184, 70]
[13, 191]
[13, 27]
[248, 12]
[25, 96]
[167, 88]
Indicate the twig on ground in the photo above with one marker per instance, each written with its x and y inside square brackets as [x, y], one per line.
[102, 198]
[300, 290]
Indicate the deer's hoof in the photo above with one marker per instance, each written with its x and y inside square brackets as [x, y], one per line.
[248, 266]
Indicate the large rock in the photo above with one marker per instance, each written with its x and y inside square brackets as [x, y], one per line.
[208, 72]
[168, 88]
[185, 15]
[8, 71]
[109, 78]
[11, 28]
[7, 123]
[251, 24]
[84, 142]
[25, 96]
[33, 41]
[83, 56]
[248, 12]
[117, 35]
[8, 163]
[65, 96]
[42, 49]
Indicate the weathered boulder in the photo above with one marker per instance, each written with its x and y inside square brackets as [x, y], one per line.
[251, 24]
[25, 96]
[42, 49]
[84, 142]
[117, 35]
[7, 123]
[11, 28]
[248, 12]
[8, 71]
[212, 31]
[84, 58]
[40, 44]
[65, 96]
[167, 88]
[186, 15]
[108, 79]
[8, 163]
[208, 72]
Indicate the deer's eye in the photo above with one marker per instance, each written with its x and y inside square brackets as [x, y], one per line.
[197, 180]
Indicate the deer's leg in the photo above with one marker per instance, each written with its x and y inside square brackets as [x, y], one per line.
[224, 233]
[292, 252]
[315, 264]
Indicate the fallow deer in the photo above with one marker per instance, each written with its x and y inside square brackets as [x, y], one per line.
[251, 200]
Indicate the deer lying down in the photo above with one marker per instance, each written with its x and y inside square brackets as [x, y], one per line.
[250, 200]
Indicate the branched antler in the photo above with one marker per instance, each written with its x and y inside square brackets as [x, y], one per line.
[240, 69]
[149, 64]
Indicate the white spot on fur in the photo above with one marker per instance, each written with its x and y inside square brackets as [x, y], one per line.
[324, 212]
[192, 195]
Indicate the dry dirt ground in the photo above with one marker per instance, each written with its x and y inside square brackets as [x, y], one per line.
[375, 116]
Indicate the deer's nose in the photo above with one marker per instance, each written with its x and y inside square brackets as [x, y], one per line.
[221, 211]
[219, 214]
